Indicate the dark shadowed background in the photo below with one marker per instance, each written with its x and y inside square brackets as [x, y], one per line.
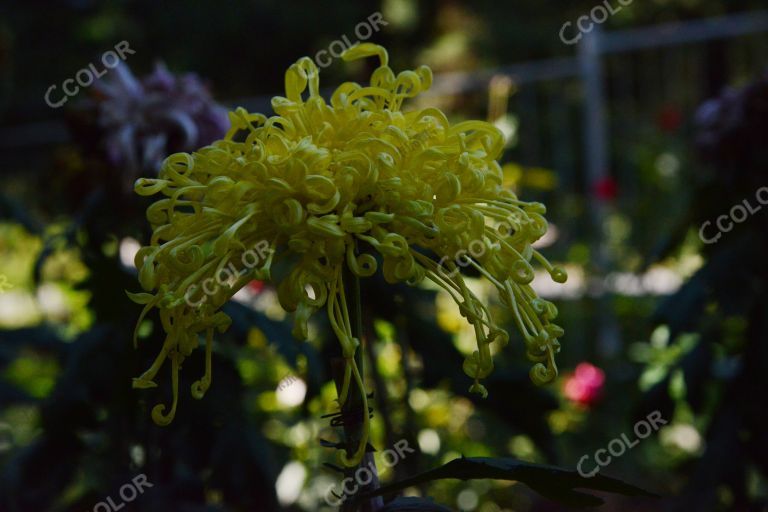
[647, 139]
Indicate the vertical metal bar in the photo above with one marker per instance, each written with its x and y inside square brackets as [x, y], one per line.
[595, 131]
[597, 160]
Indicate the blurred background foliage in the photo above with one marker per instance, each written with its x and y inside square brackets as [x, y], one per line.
[654, 319]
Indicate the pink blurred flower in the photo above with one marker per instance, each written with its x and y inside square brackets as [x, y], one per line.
[585, 385]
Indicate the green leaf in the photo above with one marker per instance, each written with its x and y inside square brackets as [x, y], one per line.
[551, 482]
[677, 386]
[140, 298]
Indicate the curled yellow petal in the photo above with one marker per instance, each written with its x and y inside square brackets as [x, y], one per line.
[357, 182]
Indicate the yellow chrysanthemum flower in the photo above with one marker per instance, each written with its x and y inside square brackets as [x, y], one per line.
[355, 182]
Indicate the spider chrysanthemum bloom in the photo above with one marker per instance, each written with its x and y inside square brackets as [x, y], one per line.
[356, 182]
[142, 120]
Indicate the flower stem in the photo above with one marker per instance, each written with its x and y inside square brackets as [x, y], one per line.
[353, 429]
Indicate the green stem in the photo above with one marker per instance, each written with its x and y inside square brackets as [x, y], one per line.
[353, 433]
[356, 314]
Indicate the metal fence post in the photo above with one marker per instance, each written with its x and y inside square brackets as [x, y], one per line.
[597, 162]
[595, 133]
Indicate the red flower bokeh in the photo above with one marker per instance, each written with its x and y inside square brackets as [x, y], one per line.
[256, 286]
[585, 385]
[669, 119]
[606, 189]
